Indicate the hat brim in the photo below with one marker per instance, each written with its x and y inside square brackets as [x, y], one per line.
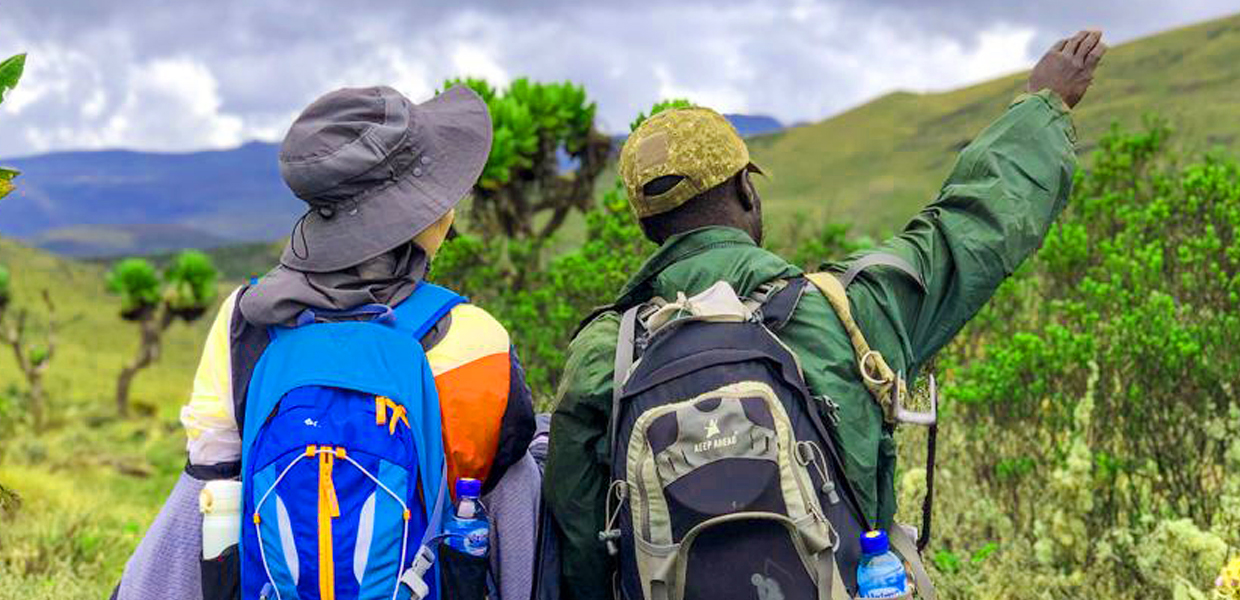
[458, 130]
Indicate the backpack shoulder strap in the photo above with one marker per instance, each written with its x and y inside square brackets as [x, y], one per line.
[876, 374]
[883, 259]
[778, 301]
[625, 351]
[424, 308]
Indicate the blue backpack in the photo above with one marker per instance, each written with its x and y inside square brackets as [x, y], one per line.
[343, 464]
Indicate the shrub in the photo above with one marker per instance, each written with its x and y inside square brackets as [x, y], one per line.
[1094, 400]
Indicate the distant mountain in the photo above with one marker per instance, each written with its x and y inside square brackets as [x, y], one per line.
[119, 202]
[124, 240]
[123, 202]
[746, 125]
[751, 125]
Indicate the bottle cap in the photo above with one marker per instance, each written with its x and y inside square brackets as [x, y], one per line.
[466, 487]
[874, 542]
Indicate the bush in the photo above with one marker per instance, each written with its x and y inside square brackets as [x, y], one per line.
[1094, 400]
[542, 304]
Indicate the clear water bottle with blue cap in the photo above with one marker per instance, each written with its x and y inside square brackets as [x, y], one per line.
[880, 574]
[468, 530]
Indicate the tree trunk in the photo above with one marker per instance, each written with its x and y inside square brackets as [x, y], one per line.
[37, 401]
[123, 382]
[33, 367]
[153, 328]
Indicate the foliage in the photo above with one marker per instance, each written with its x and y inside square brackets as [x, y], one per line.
[10, 72]
[1092, 418]
[658, 108]
[543, 306]
[6, 289]
[545, 310]
[191, 283]
[137, 283]
[522, 193]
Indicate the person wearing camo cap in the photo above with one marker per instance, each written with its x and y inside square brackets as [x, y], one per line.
[687, 174]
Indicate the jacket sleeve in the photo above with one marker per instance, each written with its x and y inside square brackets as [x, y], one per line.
[214, 443]
[1004, 192]
[577, 471]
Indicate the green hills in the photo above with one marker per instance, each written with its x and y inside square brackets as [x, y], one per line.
[876, 164]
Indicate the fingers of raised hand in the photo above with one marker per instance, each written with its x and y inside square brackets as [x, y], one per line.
[1060, 45]
[1095, 55]
[1074, 43]
[1092, 38]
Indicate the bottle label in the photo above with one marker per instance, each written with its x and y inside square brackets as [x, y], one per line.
[476, 542]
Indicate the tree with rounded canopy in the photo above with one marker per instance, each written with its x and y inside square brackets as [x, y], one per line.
[524, 193]
[184, 291]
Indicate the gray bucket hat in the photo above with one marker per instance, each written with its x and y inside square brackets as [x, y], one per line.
[377, 169]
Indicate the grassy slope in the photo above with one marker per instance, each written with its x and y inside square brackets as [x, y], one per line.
[91, 485]
[874, 166]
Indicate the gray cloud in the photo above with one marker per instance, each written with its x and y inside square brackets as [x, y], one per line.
[177, 76]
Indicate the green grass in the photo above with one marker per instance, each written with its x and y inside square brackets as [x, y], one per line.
[92, 483]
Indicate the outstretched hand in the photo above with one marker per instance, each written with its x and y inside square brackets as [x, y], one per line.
[1068, 67]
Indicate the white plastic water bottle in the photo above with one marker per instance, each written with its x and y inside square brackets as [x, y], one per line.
[468, 530]
[880, 574]
[220, 504]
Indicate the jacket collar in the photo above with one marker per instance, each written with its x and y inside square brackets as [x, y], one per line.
[678, 248]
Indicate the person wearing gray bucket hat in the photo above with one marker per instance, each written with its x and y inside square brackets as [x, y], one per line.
[375, 170]
[380, 176]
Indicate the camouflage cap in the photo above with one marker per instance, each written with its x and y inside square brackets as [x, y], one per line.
[695, 143]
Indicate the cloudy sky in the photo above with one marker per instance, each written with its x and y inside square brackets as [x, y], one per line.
[174, 76]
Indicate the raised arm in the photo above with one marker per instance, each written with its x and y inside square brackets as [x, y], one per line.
[996, 206]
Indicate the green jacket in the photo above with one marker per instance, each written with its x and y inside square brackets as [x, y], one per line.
[994, 210]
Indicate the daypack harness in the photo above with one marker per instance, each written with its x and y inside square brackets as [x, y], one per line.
[713, 435]
[342, 456]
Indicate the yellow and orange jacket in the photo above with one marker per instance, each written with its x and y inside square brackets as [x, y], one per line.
[487, 411]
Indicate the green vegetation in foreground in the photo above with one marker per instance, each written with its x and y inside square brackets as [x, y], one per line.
[92, 484]
[874, 166]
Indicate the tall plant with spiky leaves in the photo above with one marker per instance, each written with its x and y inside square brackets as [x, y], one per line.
[184, 291]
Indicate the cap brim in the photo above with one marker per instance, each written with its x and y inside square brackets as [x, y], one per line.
[458, 127]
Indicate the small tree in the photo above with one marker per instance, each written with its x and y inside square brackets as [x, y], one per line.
[543, 311]
[32, 360]
[10, 72]
[524, 193]
[185, 291]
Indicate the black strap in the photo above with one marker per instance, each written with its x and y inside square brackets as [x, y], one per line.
[884, 259]
[246, 344]
[778, 308]
[226, 470]
[927, 504]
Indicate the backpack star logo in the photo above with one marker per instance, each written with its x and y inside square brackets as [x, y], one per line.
[712, 428]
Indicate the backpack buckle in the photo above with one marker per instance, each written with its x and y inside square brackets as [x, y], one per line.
[912, 417]
[832, 409]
